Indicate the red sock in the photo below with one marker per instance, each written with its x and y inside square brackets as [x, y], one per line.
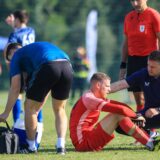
[153, 130]
[140, 107]
[130, 128]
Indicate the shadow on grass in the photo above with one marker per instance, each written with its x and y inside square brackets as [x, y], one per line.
[124, 149]
[51, 150]
[107, 148]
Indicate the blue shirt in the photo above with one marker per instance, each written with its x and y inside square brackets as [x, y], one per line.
[30, 57]
[150, 86]
[24, 36]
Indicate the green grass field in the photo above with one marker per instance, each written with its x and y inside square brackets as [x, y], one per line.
[119, 149]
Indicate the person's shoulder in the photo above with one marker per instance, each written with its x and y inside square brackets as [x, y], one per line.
[130, 14]
[29, 29]
[88, 93]
[152, 11]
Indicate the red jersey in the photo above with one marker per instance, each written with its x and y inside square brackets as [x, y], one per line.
[86, 112]
[141, 29]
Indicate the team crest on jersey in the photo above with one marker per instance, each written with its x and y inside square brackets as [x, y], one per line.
[147, 84]
[142, 28]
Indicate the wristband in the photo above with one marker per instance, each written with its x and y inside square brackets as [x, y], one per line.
[123, 65]
[138, 115]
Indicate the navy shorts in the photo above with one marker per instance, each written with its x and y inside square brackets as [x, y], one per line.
[55, 76]
[134, 64]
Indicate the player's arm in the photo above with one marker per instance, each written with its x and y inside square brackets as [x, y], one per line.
[10, 20]
[123, 64]
[12, 96]
[119, 108]
[119, 85]
[158, 36]
[125, 49]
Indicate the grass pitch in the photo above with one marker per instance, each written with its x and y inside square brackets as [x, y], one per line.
[119, 149]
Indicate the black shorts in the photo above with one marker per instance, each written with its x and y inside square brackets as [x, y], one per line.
[55, 76]
[134, 64]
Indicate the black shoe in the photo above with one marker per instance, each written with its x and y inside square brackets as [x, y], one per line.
[26, 150]
[61, 151]
[156, 144]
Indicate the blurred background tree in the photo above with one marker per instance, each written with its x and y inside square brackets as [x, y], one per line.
[63, 22]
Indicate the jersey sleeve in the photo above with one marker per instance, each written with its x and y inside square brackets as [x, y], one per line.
[14, 66]
[12, 38]
[156, 21]
[91, 102]
[137, 78]
[118, 108]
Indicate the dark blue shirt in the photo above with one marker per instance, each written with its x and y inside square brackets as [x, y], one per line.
[30, 57]
[150, 86]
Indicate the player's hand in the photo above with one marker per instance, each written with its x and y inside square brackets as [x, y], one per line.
[3, 117]
[139, 121]
[10, 20]
[122, 73]
[151, 112]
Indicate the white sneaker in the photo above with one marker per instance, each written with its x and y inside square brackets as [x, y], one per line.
[154, 134]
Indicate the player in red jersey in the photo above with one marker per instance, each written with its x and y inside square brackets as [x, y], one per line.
[141, 36]
[87, 134]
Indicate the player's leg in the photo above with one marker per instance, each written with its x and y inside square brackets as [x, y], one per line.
[31, 111]
[60, 121]
[139, 98]
[17, 109]
[63, 76]
[134, 64]
[133, 130]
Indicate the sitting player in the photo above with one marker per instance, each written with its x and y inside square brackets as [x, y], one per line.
[88, 135]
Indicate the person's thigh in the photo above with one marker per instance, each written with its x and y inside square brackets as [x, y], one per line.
[94, 140]
[61, 89]
[134, 64]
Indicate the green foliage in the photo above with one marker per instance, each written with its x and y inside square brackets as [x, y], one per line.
[63, 22]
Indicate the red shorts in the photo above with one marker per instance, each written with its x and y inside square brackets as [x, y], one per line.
[94, 140]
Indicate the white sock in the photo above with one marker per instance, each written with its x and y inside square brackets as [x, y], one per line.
[32, 145]
[60, 143]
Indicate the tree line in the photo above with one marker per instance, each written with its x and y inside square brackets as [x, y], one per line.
[63, 23]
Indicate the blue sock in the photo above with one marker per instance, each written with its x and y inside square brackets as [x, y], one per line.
[17, 110]
[40, 116]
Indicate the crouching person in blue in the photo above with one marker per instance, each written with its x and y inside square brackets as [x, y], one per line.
[149, 80]
[49, 70]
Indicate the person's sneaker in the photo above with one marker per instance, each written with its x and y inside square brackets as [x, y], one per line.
[26, 150]
[154, 134]
[61, 151]
[156, 144]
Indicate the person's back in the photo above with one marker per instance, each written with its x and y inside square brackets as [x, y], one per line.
[24, 36]
[43, 52]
